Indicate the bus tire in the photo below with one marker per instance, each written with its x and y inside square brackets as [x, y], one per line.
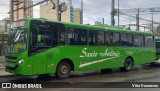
[128, 65]
[63, 70]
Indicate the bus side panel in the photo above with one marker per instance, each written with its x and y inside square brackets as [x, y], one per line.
[93, 58]
[86, 58]
[38, 63]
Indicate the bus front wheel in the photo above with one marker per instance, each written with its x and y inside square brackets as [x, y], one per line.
[128, 65]
[63, 70]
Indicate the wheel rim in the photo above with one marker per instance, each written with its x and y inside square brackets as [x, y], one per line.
[129, 65]
[64, 70]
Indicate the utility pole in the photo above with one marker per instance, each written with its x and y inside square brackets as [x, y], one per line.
[118, 12]
[58, 12]
[17, 5]
[81, 11]
[5, 25]
[103, 20]
[12, 13]
[129, 27]
[144, 29]
[112, 13]
[2, 38]
[17, 10]
[137, 20]
[60, 9]
[152, 19]
[24, 5]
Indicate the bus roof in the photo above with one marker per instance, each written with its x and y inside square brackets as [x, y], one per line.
[96, 27]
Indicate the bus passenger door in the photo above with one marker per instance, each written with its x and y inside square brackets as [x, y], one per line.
[50, 53]
[41, 42]
[37, 52]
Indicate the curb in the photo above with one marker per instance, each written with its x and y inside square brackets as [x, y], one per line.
[2, 68]
[7, 75]
[3, 73]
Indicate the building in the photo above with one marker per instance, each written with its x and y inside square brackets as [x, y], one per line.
[28, 13]
[5, 25]
[77, 16]
[46, 11]
[2, 26]
[4, 31]
[97, 22]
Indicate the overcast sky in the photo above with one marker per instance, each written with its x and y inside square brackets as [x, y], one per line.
[95, 10]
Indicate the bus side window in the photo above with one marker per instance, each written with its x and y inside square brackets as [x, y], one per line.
[96, 38]
[100, 38]
[142, 41]
[82, 37]
[62, 35]
[137, 40]
[46, 40]
[116, 39]
[109, 39]
[77, 36]
[71, 36]
[149, 41]
[124, 38]
[130, 39]
[33, 38]
[92, 37]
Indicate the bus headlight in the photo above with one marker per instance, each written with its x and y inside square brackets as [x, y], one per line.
[21, 61]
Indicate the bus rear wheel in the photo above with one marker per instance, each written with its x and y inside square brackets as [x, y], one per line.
[128, 65]
[63, 70]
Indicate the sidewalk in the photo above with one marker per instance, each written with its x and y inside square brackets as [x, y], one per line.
[2, 70]
[2, 58]
[158, 60]
[4, 73]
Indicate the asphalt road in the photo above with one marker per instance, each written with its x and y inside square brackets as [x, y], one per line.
[138, 74]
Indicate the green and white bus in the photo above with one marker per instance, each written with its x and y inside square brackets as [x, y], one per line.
[41, 46]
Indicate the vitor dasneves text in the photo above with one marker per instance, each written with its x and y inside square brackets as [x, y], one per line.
[144, 86]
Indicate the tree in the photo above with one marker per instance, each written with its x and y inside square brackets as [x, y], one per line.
[149, 27]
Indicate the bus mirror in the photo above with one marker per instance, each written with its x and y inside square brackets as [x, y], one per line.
[39, 38]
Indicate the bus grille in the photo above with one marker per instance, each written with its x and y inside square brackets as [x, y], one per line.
[10, 57]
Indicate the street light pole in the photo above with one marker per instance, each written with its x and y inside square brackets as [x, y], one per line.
[137, 20]
[103, 20]
[81, 11]
[12, 13]
[118, 12]
[112, 12]
[58, 13]
[152, 19]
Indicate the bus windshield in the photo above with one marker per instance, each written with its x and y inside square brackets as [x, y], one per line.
[18, 40]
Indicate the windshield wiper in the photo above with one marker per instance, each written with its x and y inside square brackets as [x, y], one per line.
[17, 35]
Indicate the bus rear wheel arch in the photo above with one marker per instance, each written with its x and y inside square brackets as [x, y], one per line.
[64, 69]
[128, 64]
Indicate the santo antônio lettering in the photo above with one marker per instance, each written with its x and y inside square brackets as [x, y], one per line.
[85, 53]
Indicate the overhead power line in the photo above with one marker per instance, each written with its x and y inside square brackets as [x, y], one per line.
[141, 9]
[139, 18]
